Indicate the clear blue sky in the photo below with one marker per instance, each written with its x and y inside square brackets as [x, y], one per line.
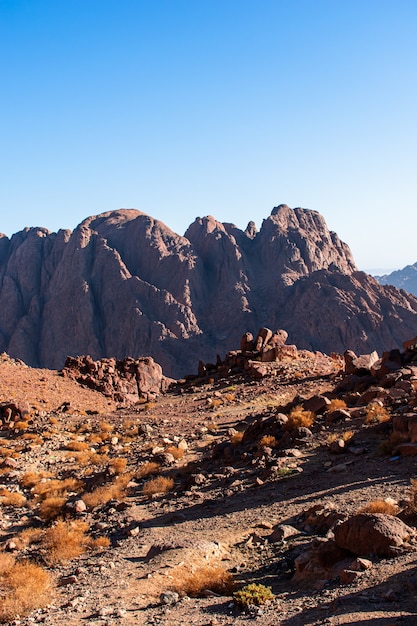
[183, 108]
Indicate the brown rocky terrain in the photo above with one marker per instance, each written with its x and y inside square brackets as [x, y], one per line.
[124, 285]
[273, 466]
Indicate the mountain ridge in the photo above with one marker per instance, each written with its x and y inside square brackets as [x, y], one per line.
[124, 284]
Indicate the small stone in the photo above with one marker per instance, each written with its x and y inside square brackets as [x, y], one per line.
[169, 597]
[361, 564]
[348, 576]
[80, 506]
[67, 580]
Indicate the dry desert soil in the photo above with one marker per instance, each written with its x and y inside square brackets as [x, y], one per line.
[77, 461]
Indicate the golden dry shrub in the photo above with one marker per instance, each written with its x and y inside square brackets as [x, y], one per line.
[376, 414]
[94, 438]
[336, 404]
[176, 452]
[105, 427]
[33, 438]
[12, 498]
[160, 484]
[90, 458]
[30, 479]
[236, 438]
[25, 587]
[111, 491]
[27, 537]
[77, 446]
[267, 441]
[56, 487]
[51, 508]
[99, 542]
[65, 541]
[299, 417]
[21, 425]
[118, 465]
[380, 506]
[207, 577]
[148, 469]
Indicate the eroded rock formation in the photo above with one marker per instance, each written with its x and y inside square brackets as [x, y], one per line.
[123, 284]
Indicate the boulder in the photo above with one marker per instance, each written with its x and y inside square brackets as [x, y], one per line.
[377, 533]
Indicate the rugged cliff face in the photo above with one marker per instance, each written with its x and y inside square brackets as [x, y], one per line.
[123, 284]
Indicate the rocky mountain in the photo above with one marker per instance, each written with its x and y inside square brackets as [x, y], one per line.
[405, 278]
[124, 284]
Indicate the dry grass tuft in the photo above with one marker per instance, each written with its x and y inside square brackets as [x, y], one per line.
[267, 441]
[51, 508]
[99, 542]
[118, 465]
[176, 452]
[148, 469]
[236, 438]
[25, 587]
[27, 537]
[65, 541]
[211, 577]
[336, 405]
[30, 479]
[161, 484]
[376, 414]
[50, 488]
[112, 491]
[12, 498]
[77, 446]
[388, 507]
[22, 425]
[299, 417]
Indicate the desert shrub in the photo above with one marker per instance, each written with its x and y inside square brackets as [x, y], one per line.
[33, 438]
[27, 537]
[336, 404]
[118, 465]
[105, 427]
[380, 506]
[77, 446]
[176, 452]
[12, 498]
[147, 469]
[299, 417]
[25, 587]
[30, 479]
[51, 508]
[236, 438]
[111, 491]
[90, 458]
[161, 484]
[267, 441]
[65, 541]
[21, 425]
[253, 594]
[98, 542]
[212, 577]
[230, 397]
[94, 438]
[345, 436]
[57, 487]
[376, 414]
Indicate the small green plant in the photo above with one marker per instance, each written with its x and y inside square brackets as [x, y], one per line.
[253, 594]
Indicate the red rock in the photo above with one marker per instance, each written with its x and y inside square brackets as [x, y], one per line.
[379, 534]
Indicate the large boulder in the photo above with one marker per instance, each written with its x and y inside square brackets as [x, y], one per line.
[376, 533]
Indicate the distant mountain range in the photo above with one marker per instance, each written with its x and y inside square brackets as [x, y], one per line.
[402, 279]
[124, 284]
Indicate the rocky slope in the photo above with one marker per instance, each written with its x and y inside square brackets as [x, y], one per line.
[123, 284]
[296, 477]
[405, 278]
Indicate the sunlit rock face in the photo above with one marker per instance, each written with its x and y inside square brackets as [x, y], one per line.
[123, 284]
